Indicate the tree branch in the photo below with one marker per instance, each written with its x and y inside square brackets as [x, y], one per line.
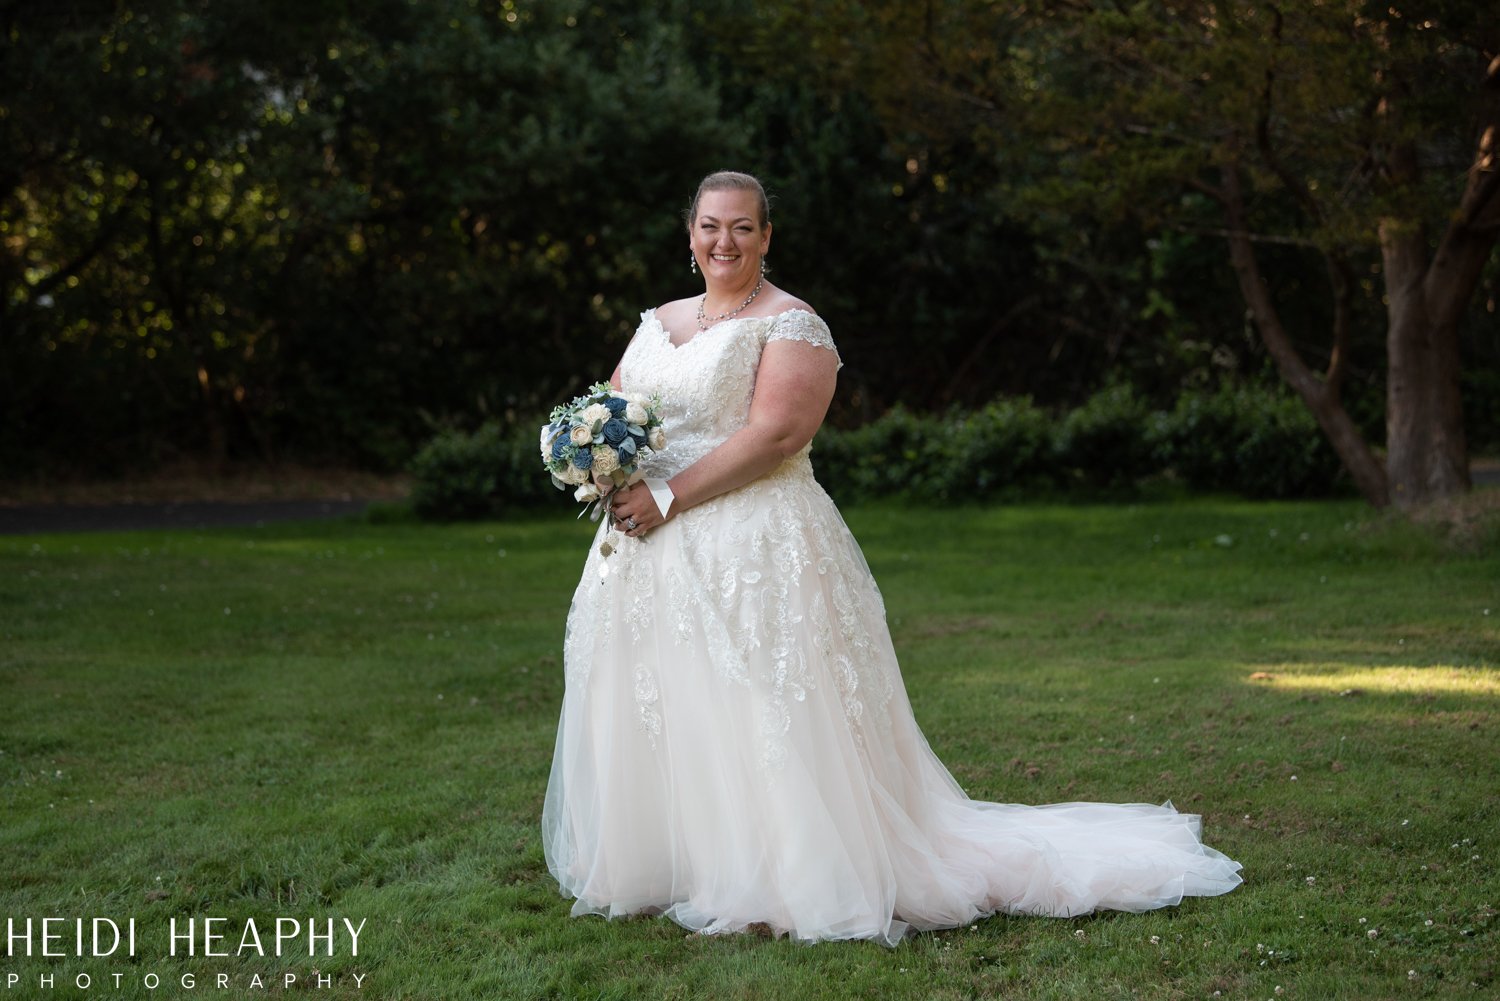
[1287, 241]
[1470, 237]
[1263, 143]
[1216, 193]
[1341, 276]
[1330, 414]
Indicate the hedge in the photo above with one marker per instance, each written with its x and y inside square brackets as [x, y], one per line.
[1256, 442]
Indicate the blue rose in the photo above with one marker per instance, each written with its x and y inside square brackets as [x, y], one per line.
[559, 443]
[616, 405]
[584, 458]
[616, 431]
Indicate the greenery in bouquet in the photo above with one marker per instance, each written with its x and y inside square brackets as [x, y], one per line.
[595, 442]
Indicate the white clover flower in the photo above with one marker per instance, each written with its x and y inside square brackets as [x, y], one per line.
[594, 413]
[657, 438]
[580, 435]
[605, 459]
[1373, 933]
[635, 413]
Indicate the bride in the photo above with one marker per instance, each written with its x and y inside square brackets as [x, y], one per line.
[736, 747]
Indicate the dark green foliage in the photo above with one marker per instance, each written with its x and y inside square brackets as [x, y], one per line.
[457, 475]
[255, 231]
[1256, 442]
[1481, 391]
[999, 452]
[996, 452]
[478, 474]
[1252, 441]
[1103, 444]
[226, 231]
[893, 455]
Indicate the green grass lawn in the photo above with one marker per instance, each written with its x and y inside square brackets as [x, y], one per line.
[352, 720]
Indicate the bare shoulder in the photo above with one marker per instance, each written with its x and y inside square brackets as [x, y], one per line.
[677, 312]
[784, 302]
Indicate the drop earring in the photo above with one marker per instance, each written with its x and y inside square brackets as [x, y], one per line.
[762, 267]
[693, 263]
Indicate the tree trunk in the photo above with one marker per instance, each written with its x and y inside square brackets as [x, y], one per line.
[184, 322]
[1321, 397]
[1426, 456]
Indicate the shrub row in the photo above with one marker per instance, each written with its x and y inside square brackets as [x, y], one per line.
[1255, 442]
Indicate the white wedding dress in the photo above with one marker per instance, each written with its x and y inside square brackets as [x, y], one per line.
[736, 745]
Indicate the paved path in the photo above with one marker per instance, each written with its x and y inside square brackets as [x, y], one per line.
[37, 519]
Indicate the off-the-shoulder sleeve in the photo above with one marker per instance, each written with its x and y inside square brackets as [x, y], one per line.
[800, 325]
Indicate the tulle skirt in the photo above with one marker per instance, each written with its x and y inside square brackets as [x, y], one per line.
[736, 748]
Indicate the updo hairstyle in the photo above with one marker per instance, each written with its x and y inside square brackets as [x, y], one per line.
[729, 180]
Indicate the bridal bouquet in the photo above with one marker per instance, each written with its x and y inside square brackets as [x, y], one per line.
[596, 442]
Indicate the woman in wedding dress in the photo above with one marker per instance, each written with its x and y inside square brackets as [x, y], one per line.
[736, 747]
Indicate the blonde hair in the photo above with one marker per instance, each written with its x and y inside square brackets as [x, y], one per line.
[729, 180]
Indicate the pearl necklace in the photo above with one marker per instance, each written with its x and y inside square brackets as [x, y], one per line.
[705, 322]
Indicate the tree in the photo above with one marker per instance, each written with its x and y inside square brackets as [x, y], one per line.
[267, 227]
[1334, 128]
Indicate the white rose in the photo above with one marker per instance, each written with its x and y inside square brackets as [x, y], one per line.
[596, 413]
[635, 398]
[574, 475]
[657, 439]
[581, 435]
[605, 459]
[546, 442]
[635, 413]
[586, 493]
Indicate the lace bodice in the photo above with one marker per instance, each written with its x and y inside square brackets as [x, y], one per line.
[706, 383]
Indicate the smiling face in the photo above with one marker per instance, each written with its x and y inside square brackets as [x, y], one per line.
[727, 237]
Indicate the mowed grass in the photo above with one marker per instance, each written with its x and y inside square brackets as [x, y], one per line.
[354, 720]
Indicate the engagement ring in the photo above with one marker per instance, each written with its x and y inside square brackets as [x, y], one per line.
[630, 523]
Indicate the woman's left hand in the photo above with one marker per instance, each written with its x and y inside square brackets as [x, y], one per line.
[634, 510]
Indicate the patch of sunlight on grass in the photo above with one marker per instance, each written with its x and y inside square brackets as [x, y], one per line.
[1403, 678]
